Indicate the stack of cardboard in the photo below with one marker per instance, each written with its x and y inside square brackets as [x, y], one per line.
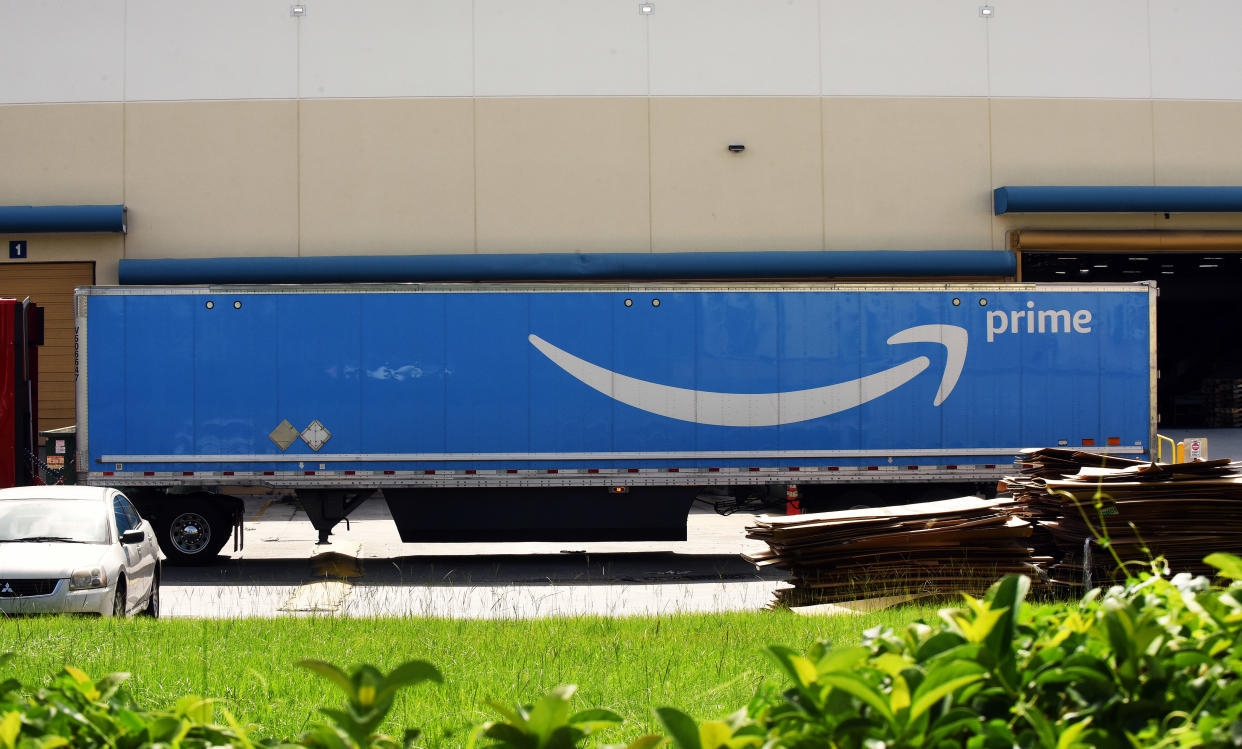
[1073, 519]
[926, 548]
[1181, 512]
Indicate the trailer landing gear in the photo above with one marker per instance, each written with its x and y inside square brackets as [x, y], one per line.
[327, 507]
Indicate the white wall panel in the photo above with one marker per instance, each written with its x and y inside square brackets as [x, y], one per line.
[734, 47]
[224, 49]
[904, 48]
[1195, 50]
[1070, 49]
[385, 48]
[560, 48]
[61, 51]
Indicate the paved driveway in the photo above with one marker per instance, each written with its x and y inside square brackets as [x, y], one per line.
[367, 571]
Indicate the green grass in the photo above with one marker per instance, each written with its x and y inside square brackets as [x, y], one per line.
[707, 665]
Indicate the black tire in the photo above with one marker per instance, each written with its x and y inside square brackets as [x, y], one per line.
[191, 530]
[152, 609]
[118, 598]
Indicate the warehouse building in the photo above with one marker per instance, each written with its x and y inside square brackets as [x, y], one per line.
[491, 139]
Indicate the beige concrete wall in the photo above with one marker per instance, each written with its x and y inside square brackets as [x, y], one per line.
[1070, 142]
[595, 174]
[769, 197]
[906, 174]
[1196, 142]
[386, 176]
[211, 179]
[62, 154]
[558, 175]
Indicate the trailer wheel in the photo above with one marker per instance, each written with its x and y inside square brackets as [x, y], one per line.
[192, 533]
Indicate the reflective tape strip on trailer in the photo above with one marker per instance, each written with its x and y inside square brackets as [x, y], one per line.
[540, 477]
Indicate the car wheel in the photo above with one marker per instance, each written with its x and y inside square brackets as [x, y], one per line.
[193, 533]
[153, 601]
[118, 599]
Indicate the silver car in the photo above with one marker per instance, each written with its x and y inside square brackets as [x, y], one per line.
[76, 550]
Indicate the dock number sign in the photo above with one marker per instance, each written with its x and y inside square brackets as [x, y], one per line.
[17, 249]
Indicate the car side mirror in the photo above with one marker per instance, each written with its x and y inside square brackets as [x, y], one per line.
[133, 536]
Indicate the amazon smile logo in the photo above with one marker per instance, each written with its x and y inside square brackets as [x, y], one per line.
[768, 409]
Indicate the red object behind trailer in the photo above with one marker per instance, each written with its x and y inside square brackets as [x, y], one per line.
[21, 332]
[8, 392]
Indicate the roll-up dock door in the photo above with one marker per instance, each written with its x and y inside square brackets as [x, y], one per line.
[50, 285]
[1199, 310]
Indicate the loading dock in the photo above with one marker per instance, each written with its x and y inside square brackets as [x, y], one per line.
[1198, 318]
[50, 286]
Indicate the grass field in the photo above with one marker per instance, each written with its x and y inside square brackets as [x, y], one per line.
[707, 665]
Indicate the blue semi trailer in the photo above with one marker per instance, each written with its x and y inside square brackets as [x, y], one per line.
[588, 411]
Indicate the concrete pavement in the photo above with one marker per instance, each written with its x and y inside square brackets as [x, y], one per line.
[367, 571]
[1222, 443]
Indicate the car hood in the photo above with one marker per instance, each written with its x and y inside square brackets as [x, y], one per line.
[44, 560]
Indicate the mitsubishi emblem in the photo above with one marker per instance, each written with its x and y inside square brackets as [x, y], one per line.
[7, 588]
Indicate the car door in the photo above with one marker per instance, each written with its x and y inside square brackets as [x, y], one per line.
[136, 584]
[149, 548]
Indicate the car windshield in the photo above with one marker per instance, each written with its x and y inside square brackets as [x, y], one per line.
[68, 520]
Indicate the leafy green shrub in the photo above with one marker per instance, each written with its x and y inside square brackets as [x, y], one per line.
[1155, 662]
[548, 724]
[369, 694]
[75, 711]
